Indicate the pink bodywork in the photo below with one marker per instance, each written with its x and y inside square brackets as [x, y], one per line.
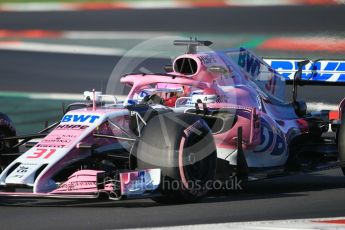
[237, 93]
[240, 98]
[82, 182]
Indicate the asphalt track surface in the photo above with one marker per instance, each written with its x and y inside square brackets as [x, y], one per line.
[64, 73]
[269, 19]
[304, 196]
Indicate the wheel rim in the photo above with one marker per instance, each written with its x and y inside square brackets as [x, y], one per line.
[194, 169]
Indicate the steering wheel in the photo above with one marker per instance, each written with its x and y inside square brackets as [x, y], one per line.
[152, 99]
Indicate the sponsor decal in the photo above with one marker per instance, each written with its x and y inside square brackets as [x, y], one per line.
[72, 136]
[50, 146]
[56, 140]
[249, 62]
[26, 163]
[207, 59]
[22, 169]
[272, 140]
[59, 138]
[137, 182]
[72, 127]
[270, 86]
[76, 185]
[323, 70]
[80, 118]
[221, 99]
[194, 128]
[18, 176]
[263, 75]
[258, 100]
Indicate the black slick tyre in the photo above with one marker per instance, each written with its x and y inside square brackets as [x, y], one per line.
[341, 142]
[182, 146]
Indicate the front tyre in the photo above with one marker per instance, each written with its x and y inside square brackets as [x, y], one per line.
[182, 146]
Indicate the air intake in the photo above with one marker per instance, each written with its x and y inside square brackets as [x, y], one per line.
[186, 66]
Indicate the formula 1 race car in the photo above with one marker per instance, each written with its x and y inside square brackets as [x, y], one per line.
[211, 117]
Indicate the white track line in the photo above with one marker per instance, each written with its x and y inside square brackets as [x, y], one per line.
[146, 4]
[35, 7]
[293, 224]
[159, 4]
[48, 96]
[55, 48]
[79, 49]
[111, 35]
[262, 2]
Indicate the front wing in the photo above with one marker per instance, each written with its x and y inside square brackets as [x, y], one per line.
[92, 184]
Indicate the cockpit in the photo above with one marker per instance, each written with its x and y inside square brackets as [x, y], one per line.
[172, 95]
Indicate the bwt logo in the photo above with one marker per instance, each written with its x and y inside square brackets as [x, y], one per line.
[80, 118]
[249, 62]
[208, 59]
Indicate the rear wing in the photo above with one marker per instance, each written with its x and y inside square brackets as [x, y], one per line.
[319, 72]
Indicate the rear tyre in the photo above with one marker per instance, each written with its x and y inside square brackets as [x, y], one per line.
[341, 141]
[182, 146]
[6, 130]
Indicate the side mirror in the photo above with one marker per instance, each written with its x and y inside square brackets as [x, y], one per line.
[217, 70]
[168, 68]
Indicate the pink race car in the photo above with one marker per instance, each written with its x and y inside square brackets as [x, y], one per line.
[212, 117]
